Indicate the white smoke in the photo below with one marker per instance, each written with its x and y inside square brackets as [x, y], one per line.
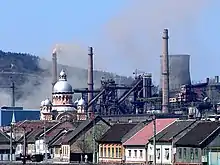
[135, 33]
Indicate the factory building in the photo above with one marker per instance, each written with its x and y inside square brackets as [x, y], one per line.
[17, 114]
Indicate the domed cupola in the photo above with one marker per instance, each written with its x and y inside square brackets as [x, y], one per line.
[62, 86]
[81, 102]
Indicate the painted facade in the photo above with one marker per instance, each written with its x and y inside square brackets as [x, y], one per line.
[135, 154]
[111, 152]
[163, 153]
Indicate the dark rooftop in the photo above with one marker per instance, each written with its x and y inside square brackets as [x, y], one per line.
[201, 135]
[4, 138]
[173, 130]
[116, 133]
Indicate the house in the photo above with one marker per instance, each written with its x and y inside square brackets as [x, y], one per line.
[193, 146]
[73, 145]
[5, 146]
[135, 146]
[52, 134]
[110, 144]
[31, 129]
[165, 138]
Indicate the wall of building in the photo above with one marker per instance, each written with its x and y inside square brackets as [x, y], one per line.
[135, 154]
[40, 146]
[111, 152]
[163, 151]
[65, 154]
[188, 155]
[20, 115]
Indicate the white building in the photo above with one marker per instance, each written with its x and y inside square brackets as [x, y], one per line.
[136, 150]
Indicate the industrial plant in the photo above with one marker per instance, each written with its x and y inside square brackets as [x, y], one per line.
[119, 123]
[176, 95]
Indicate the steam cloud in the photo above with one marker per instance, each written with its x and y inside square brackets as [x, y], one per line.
[135, 33]
[133, 40]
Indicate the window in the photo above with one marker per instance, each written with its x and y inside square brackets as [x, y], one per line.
[135, 153]
[191, 153]
[104, 153]
[167, 153]
[196, 153]
[116, 152]
[109, 152]
[158, 153]
[101, 152]
[113, 152]
[119, 152]
[180, 153]
[129, 153]
[141, 153]
[184, 153]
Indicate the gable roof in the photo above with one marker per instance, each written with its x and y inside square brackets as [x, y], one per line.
[116, 133]
[134, 130]
[142, 136]
[173, 130]
[201, 135]
[59, 140]
[71, 135]
[4, 138]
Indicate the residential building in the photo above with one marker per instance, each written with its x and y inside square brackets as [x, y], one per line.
[75, 144]
[192, 147]
[5, 146]
[135, 146]
[110, 144]
[165, 139]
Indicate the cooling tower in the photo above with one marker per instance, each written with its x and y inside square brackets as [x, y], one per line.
[179, 68]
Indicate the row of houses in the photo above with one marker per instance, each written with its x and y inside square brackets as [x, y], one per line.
[175, 142]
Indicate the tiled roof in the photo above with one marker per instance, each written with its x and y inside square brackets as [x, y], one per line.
[134, 130]
[31, 137]
[142, 136]
[116, 133]
[173, 130]
[61, 138]
[74, 133]
[201, 135]
[34, 124]
[4, 138]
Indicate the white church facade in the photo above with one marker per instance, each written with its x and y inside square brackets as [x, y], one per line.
[62, 106]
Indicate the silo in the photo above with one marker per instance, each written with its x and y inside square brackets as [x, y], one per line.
[179, 70]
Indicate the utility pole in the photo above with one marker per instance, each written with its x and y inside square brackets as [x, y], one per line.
[93, 138]
[45, 143]
[154, 139]
[13, 94]
[24, 148]
[11, 142]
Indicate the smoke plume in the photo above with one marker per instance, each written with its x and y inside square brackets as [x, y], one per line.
[135, 33]
[133, 40]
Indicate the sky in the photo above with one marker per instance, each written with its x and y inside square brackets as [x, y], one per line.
[126, 34]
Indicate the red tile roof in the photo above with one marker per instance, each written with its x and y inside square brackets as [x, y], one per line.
[142, 136]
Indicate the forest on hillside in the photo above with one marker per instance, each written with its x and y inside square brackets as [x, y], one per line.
[32, 76]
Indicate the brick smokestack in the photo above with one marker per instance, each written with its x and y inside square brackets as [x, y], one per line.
[165, 73]
[54, 67]
[90, 78]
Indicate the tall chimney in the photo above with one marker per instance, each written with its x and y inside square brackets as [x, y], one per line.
[90, 78]
[54, 67]
[165, 73]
